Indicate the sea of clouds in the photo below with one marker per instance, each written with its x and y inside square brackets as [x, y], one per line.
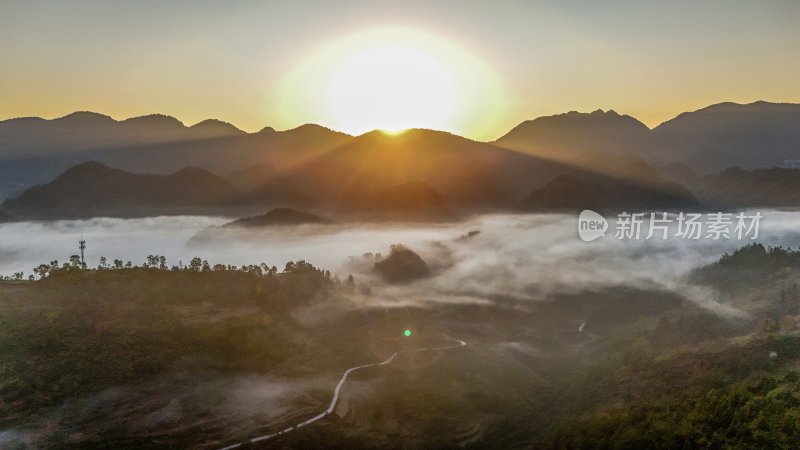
[525, 256]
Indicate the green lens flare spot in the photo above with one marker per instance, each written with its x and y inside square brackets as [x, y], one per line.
[407, 333]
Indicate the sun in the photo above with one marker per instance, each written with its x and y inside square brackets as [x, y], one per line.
[391, 78]
[392, 88]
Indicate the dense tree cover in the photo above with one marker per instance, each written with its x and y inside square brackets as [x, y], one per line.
[155, 262]
[618, 367]
[749, 266]
[762, 414]
[743, 393]
[79, 330]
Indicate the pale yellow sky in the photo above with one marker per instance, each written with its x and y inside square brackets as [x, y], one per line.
[476, 68]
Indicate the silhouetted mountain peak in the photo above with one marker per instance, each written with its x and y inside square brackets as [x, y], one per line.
[574, 135]
[87, 173]
[155, 120]
[85, 118]
[410, 135]
[759, 105]
[22, 120]
[574, 120]
[87, 168]
[751, 135]
[725, 109]
[600, 112]
[313, 129]
[267, 130]
[216, 126]
[307, 127]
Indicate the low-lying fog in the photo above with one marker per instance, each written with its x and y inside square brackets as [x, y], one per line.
[519, 255]
[523, 257]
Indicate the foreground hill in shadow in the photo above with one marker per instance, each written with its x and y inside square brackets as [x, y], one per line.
[421, 175]
[441, 169]
[220, 152]
[93, 189]
[738, 187]
[569, 193]
[465, 172]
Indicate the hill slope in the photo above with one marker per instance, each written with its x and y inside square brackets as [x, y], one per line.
[753, 135]
[213, 146]
[605, 194]
[570, 136]
[774, 187]
[418, 175]
[93, 189]
[467, 174]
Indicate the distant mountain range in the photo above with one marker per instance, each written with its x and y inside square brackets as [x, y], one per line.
[563, 162]
[83, 130]
[754, 135]
[152, 144]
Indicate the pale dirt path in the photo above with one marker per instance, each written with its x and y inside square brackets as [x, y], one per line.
[338, 388]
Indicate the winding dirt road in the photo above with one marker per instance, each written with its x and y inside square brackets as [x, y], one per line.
[338, 388]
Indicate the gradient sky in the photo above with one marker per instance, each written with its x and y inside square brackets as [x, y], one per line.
[230, 60]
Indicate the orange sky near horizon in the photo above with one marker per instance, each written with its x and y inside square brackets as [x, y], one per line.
[463, 66]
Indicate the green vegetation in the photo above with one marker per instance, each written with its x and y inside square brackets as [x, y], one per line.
[163, 348]
[741, 393]
[761, 414]
[78, 331]
[750, 266]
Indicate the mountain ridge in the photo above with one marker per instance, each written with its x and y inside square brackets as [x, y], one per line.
[94, 189]
[750, 135]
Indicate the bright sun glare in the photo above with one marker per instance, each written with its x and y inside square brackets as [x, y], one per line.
[392, 88]
[392, 79]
